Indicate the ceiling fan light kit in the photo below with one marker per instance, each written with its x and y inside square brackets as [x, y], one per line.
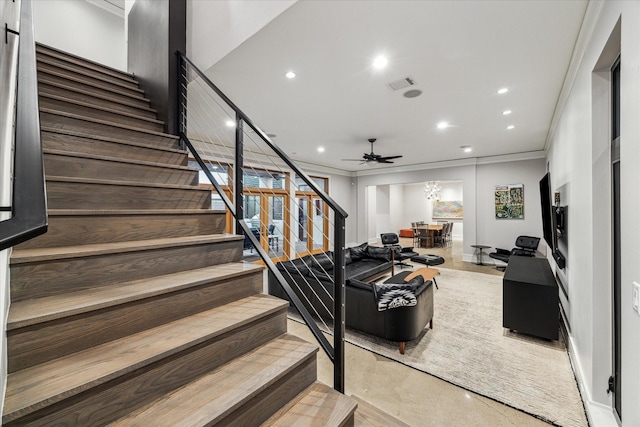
[371, 159]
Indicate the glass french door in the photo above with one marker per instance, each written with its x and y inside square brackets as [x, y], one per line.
[265, 216]
[312, 225]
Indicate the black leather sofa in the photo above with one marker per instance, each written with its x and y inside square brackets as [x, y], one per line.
[311, 278]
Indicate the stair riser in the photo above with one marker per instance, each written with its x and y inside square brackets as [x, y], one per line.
[90, 229]
[266, 403]
[83, 66]
[95, 88]
[117, 398]
[70, 166]
[54, 277]
[93, 128]
[88, 145]
[72, 195]
[138, 108]
[111, 116]
[38, 344]
[104, 80]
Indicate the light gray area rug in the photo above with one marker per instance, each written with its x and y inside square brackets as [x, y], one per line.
[469, 348]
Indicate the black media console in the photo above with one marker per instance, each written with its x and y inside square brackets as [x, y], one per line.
[530, 298]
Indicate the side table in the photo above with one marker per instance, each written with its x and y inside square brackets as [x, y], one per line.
[479, 254]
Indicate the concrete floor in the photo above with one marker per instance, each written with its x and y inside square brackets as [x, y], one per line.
[412, 396]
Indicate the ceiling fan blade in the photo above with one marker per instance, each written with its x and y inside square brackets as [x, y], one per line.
[389, 157]
[384, 161]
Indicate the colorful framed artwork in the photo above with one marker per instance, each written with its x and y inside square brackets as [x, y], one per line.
[447, 209]
[509, 201]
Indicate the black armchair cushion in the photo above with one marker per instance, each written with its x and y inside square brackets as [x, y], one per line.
[323, 261]
[526, 246]
[359, 252]
[376, 252]
[528, 243]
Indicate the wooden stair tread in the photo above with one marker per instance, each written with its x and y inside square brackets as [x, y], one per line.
[66, 56]
[371, 416]
[103, 97]
[109, 139]
[318, 405]
[105, 78]
[227, 388]
[128, 212]
[39, 310]
[123, 183]
[116, 159]
[45, 77]
[20, 256]
[42, 385]
[108, 123]
[101, 108]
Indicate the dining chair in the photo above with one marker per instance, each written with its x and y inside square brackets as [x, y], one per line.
[423, 237]
[416, 236]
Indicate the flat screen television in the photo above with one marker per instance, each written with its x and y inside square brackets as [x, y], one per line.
[547, 211]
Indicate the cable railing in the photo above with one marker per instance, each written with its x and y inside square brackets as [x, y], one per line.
[286, 216]
[29, 204]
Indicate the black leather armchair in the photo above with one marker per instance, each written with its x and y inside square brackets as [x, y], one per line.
[525, 246]
[399, 253]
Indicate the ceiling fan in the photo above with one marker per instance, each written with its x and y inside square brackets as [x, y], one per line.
[371, 158]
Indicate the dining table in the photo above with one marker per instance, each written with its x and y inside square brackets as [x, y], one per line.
[431, 230]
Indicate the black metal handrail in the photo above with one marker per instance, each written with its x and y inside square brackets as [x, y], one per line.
[29, 204]
[335, 353]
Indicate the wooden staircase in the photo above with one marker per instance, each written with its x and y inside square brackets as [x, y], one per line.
[135, 308]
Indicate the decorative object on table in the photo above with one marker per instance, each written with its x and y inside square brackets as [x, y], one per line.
[509, 201]
[432, 190]
[447, 209]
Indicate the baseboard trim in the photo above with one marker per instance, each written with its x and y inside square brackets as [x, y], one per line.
[598, 414]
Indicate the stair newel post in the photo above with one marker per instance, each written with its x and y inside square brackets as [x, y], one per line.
[339, 301]
[239, 174]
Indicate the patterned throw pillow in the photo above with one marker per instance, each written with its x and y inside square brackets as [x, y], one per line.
[390, 296]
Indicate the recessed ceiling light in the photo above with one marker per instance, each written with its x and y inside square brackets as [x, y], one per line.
[443, 125]
[466, 148]
[380, 62]
[320, 149]
[289, 74]
[510, 127]
[503, 90]
[230, 123]
[506, 112]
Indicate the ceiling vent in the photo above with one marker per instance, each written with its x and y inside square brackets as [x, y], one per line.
[402, 83]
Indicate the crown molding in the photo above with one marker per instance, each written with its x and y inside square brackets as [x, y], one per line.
[591, 15]
[108, 6]
[530, 155]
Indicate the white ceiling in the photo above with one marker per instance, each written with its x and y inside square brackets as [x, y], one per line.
[458, 52]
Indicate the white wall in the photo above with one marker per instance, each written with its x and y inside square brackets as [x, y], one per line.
[9, 12]
[502, 233]
[342, 189]
[215, 28]
[382, 209]
[579, 165]
[82, 29]
[396, 202]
